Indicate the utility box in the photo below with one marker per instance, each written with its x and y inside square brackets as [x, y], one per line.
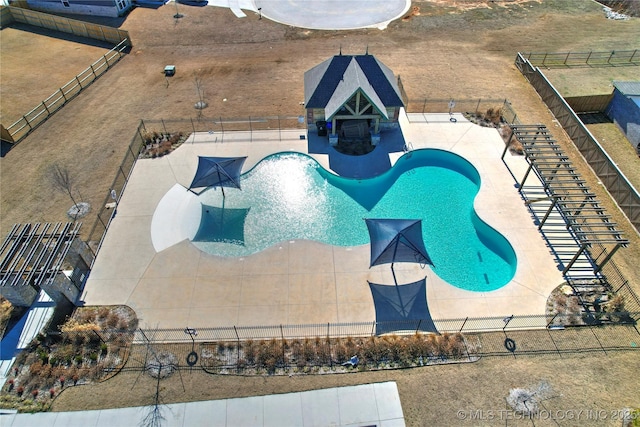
[322, 127]
[169, 70]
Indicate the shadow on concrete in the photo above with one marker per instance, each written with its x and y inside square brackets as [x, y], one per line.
[365, 166]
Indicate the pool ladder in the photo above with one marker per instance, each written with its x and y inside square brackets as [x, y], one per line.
[408, 146]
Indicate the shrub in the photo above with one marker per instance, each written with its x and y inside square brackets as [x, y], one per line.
[340, 351]
[34, 392]
[35, 368]
[250, 351]
[112, 320]
[615, 304]
[20, 390]
[103, 313]
[45, 372]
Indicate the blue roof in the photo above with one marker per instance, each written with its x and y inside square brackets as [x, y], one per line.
[628, 88]
[322, 82]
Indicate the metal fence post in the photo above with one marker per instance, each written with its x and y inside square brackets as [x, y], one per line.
[463, 323]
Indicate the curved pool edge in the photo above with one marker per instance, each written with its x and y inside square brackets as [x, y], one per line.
[175, 218]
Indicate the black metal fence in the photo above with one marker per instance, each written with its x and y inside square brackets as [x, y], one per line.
[101, 224]
[304, 348]
[488, 107]
[368, 329]
[577, 59]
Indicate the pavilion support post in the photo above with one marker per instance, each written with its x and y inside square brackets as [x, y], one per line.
[377, 129]
[607, 258]
[546, 215]
[333, 126]
[575, 258]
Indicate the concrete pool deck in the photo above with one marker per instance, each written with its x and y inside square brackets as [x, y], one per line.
[303, 282]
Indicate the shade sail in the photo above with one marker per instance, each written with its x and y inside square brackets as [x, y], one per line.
[402, 307]
[218, 172]
[222, 225]
[396, 240]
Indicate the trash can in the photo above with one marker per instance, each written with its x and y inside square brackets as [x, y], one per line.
[322, 128]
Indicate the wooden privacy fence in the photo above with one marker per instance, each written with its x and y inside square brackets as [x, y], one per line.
[60, 97]
[576, 59]
[589, 103]
[626, 196]
[110, 35]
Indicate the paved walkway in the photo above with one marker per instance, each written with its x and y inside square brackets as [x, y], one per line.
[321, 14]
[364, 405]
[302, 282]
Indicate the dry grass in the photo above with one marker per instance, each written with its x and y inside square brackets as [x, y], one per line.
[5, 314]
[430, 396]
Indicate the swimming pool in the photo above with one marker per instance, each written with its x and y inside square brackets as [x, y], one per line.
[289, 196]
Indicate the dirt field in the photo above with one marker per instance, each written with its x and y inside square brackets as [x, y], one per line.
[450, 50]
[430, 396]
[26, 83]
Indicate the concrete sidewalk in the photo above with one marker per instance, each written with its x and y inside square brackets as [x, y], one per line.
[369, 404]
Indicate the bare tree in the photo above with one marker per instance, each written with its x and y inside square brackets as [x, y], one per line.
[62, 181]
[201, 104]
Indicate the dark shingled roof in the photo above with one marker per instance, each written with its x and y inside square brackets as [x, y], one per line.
[322, 81]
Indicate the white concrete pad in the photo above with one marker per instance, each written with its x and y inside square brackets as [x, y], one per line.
[368, 404]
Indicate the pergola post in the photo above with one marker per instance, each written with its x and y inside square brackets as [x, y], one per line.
[583, 246]
[546, 215]
[525, 177]
[607, 258]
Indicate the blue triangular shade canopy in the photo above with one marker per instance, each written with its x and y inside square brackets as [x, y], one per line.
[218, 172]
[396, 240]
[402, 307]
[222, 225]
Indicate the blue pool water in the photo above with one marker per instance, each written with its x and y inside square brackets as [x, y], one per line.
[290, 196]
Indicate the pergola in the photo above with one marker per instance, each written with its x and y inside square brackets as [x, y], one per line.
[33, 256]
[567, 192]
